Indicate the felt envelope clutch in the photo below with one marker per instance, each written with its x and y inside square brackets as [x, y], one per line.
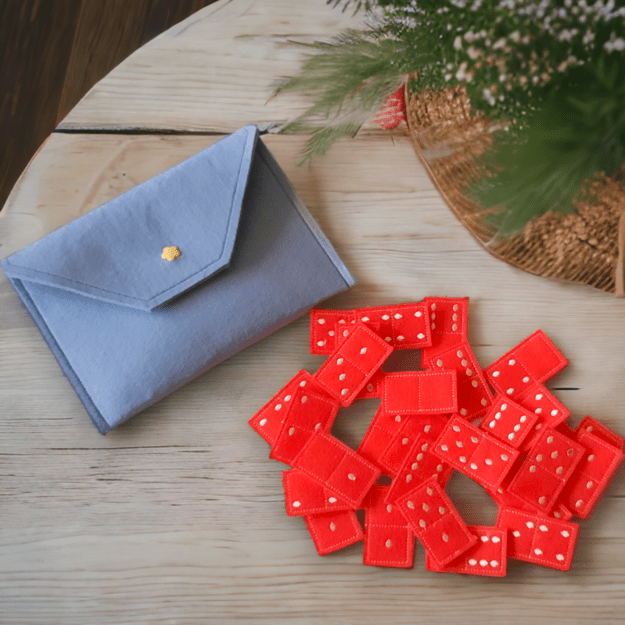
[127, 325]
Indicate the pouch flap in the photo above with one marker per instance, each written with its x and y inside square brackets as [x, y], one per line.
[114, 253]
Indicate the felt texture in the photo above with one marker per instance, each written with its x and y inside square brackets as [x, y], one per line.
[348, 369]
[531, 362]
[306, 414]
[419, 466]
[436, 522]
[544, 472]
[590, 424]
[504, 499]
[323, 324]
[334, 530]
[303, 496]
[267, 422]
[373, 388]
[487, 557]
[538, 539]
[252, 260]
[591, 476]
[333, 464]
[389, 540]
[412, 428]
[509, 422]
[551, 412]
[448, 324]
[474, 394]
[475, 453]
[420, 392]
[405, 326]
[381, 432]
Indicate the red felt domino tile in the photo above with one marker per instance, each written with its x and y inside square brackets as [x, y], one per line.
[268, 420]
[532, 361]
[566, 429]
[541, 540]
[598, 465]
[420, 392]
[560, 511]
[419, 466]
[504, 499]
[390, 546]
[448, 324]
[348, 369]
[544, 472]
[473, 452]
[303, 496]
[381, 431]
[334, 530]
[436, 522]
[590, 424]
[373, 388]
[392, 458]
[487, 557]
[413, 427]
[307, 413]
[323, 323]
[550, 411]
[336, 466]
[389, 540]
[474, 394]
[405, 326]
[509, 421]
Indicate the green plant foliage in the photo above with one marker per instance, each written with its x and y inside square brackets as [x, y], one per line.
[548, 71]
[349, 79]
[578, 132]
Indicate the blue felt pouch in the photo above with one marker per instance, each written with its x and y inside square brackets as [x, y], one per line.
[128, 326]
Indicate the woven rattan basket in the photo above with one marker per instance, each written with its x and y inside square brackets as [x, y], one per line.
[586, 246]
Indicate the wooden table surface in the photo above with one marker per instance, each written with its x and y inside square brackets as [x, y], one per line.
[178, 515]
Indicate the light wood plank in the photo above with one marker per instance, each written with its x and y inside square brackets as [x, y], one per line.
[178, 514]
[254, 42]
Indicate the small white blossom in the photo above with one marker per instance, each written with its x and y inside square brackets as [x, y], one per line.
[489, 96]
[458, 43]
[615, 44]
[473, 53]
[460, 74]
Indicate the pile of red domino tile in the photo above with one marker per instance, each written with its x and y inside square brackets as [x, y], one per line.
[514, 441]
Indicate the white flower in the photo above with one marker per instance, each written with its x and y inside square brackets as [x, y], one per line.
[588, 37]
[460, 74]
[473, 52]
[489, 96]
[615, 44]
[458, 43]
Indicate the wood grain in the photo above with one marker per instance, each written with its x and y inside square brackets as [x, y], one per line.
[54, 51]
[179, 514]
[218, 97]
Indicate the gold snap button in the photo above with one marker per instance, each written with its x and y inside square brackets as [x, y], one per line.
[170, 253]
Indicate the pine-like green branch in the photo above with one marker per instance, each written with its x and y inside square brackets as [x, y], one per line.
[350, 79]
